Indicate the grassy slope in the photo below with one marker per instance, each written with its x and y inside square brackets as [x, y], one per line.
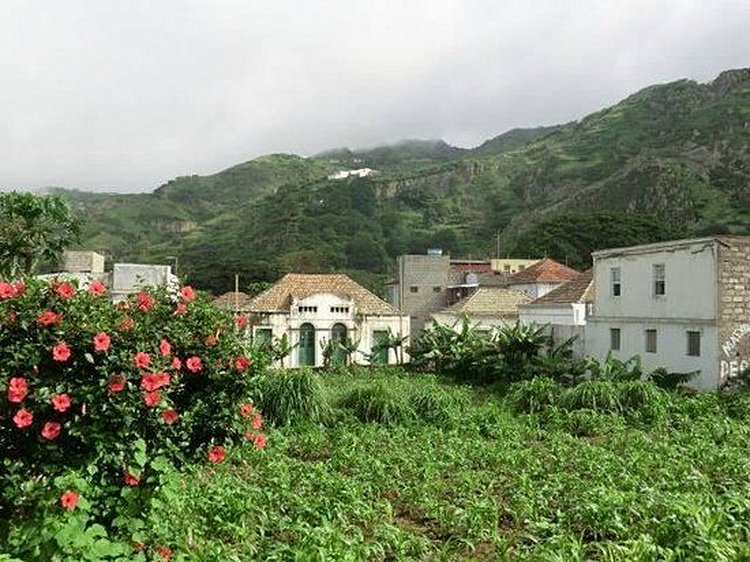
[493, 486]
[677, 151]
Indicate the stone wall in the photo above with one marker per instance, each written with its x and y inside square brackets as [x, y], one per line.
[734, 305]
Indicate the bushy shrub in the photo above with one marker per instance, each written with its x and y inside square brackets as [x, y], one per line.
[292, 395]
[586, 422]
[534, 396]
[117, 393]
[643, 400]
[598, 396]
[437, 406]
[378, 403]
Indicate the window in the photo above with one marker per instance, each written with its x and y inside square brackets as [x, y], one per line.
[302, 309]
[262, 337]
[520, 267]
[650, 341]
[694, 344]
[506, 268]
[339, 310]
[437, 289]
[660, 287]
[616, 281]
[413, 289]
[614, 339]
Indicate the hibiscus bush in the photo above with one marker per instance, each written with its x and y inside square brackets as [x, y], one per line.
[102, 402]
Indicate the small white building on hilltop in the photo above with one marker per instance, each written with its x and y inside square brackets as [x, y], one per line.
[683, 305]
[359, 173]
[313, 309]
[564, 310]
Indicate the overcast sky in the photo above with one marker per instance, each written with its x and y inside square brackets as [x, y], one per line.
[111, 95]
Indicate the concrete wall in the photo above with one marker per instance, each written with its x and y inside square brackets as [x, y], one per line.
[689, 304]
[734, 306]
[423, 274]
[565, 320]
[359, 327]
[509, 266]
[476, 322]
[83, 262]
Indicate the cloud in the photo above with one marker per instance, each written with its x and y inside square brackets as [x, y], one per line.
[111, 95]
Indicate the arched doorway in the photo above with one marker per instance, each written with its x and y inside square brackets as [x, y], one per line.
[338, 336]
[307, 345]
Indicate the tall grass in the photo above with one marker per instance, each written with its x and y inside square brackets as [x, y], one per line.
[534, 396]
[293, 395]
[378, 403]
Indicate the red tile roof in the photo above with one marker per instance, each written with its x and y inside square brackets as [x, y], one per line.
[578, 290]
[544, 271]
[278, 297]
[233, 301]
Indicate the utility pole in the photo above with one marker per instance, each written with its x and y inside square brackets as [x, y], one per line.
[497, 244]
[236, 292]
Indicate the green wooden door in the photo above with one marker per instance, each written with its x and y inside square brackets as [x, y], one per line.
[338, 336]
[380, 353]
[306, 345]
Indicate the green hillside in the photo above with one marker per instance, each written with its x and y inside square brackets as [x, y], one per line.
[670, 160]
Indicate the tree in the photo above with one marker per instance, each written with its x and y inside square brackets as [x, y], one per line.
[33, 229]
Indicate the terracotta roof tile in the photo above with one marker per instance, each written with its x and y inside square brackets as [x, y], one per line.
[490, 301]
[578, 290]
[278, 297]
[233, 301]
[544, 271]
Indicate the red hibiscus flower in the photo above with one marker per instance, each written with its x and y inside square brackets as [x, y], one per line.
[187, 293]
[17, 389]
[145, 301]
[210, 340]
[69, 500]
[164, 551]
[257, 422]
[61, 352]
[61, 402]
[170, 416]
[242, 363]
[65, 290]
[259, 441]
[154, 381]
[165, 348]
[47, 318]
[216, 454]
[7, 291]
[101, 341]
[51, 431]
[246, 410]
[151, 399]
[240, 321]
[142, 360]
[97, 288]
[20, 288]
[23, 418]
[194, 364]
[116, 383]
[131, 479]
[176, 363]
[180, 309]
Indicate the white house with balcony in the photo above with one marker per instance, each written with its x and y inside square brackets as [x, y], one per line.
[683, 305]
[312, 310]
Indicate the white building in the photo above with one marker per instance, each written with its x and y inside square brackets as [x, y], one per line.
[683, 305]
[564, 310]
[311, 310]
[359, 173]
[541, 277]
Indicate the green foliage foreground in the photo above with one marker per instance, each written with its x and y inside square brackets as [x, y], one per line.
[574, 483]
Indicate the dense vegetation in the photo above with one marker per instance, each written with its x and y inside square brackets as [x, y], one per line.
[453, 473]
[669, 160]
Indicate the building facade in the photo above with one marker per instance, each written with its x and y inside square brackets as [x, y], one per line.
[485, 309]
[312, 310]
[683, 305]
[541, 277]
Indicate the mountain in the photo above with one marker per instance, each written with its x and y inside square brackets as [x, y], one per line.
[670, 160]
